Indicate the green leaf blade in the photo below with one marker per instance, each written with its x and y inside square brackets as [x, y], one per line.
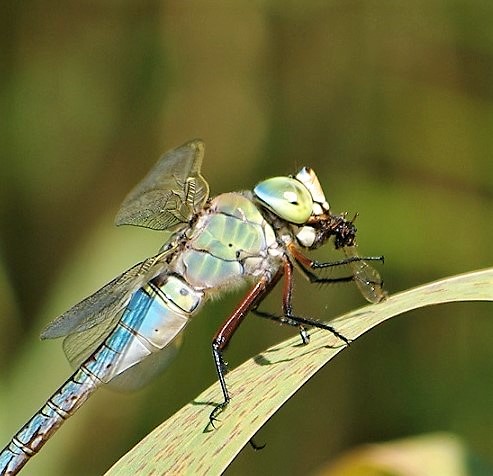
[260, 386]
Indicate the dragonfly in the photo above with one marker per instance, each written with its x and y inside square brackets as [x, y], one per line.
[130, 329]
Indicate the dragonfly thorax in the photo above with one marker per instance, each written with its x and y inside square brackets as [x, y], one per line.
[229, 243]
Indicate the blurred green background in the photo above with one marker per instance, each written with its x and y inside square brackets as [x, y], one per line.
[390, 101]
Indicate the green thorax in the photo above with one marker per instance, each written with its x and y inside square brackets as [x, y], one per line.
[229, 242]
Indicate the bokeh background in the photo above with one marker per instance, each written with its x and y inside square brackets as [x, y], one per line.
[390, 101]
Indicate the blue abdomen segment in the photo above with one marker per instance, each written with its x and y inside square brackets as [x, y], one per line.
[34, 434]
[155, 315]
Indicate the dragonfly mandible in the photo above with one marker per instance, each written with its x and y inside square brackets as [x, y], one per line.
[131, 328]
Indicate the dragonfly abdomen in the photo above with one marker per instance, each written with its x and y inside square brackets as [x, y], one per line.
[153, 319]
[34, 434]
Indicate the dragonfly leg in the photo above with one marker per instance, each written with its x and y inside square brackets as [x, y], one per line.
[228, 328]
[301, 322]
[291, 319]
[306, 265]
[287, 299]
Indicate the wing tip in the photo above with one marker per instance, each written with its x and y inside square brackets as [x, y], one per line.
[47, 333]
[197, 144]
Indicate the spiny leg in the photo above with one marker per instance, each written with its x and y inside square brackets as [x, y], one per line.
[301, 322]
[289, 318]
[257, 294]
[287, 300]
[306, 265]
[228, 328]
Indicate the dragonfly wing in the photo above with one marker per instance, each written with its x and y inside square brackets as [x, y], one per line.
[94, 309]
[366, 277]
[79, 346]
[170, 193]
[142, 373]
[89, 322]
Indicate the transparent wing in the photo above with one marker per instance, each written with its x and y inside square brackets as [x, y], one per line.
[90, 321]
[366, 277]
[142, 373]
[80, 345]
[170, 193]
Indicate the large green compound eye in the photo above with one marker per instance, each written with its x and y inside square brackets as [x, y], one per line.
[288, 198]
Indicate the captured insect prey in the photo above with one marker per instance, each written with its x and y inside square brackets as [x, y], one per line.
[131, 328]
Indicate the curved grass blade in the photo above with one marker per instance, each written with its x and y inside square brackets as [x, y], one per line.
[260, 386]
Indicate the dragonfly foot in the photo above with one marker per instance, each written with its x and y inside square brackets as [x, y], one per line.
[342, 337]
[217, 410]
[305, 337]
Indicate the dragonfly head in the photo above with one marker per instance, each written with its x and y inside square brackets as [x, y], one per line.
[322, 225]
[286, 197]
[294, 199]
[301, 202]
